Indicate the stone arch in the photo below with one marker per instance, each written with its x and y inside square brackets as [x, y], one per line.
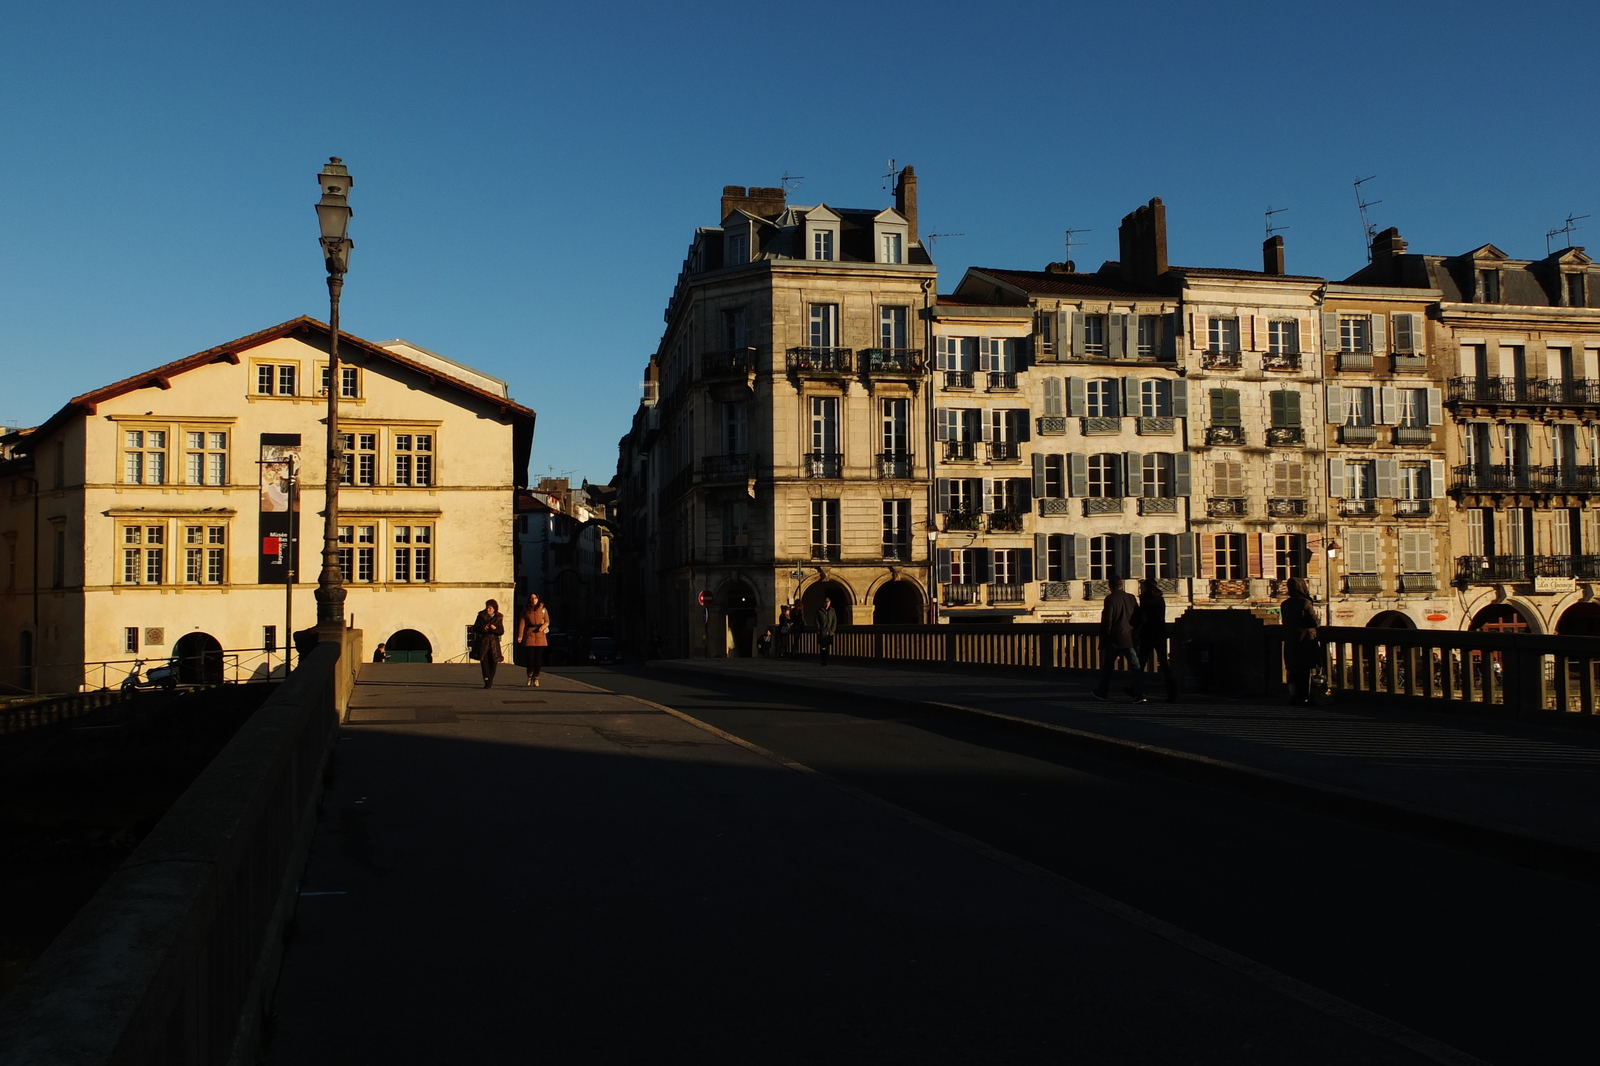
[812, 595]
[408, 646]
[1505, 617]
[1582, 619]
[738, 602]
[1391, 620]
[898, 602]
[198, 657]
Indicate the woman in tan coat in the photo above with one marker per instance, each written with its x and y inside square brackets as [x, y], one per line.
[532, 625]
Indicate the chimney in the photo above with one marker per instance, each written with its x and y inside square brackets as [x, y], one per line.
[764, 202]
[1387, 245]
[1142, 239]
[905, 198]
[1272, 254]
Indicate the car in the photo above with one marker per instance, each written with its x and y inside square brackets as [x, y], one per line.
[602, 649]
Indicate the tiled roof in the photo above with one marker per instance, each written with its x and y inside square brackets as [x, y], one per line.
[1052, 284]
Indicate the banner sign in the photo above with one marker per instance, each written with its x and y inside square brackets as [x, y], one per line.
[280, 509]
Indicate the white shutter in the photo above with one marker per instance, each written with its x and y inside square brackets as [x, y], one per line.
[1336, 483]
[1436, 478]
[986, 504]
[1387, 472]
[941, 423]
[1435, 407]
[1379, 333]
[1388, 406]
[1337, 412]
[1330, 331]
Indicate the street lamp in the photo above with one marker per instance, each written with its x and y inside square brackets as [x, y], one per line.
[333, 213]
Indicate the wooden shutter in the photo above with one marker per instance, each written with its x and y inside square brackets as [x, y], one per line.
[941, 347]
[1208, 555]
[1041, 551]
[1180, 398]
[1024, 572]
[1134, 553]
[1337, 409]
[942, 494]
[1181, 476]
[1231, 410]
[986, 424]
[1403, 334]
[1038, 474]
[1388, 478]
[1077, 398]
[1314, 552]
[1336, 484]
[1119, 556]
[1077, 334]
[1388, 406]
[941, 423]
[1024, 490]
[1077, 474]
[984, 560]
[1436, 478]
[1377, 336]
[1435, 407]
[944, 566]
[1297, 479]
[1330, 331]
[1079, 555]
[1130, 396]
[986, 503]
[1053, 405]
[985, 362]
[1116, 325]
[1020, 429]
[1254, 547]
[1064, 335]
[1172, 327]
[1219, 406]
[1133, 476]
[1186, 554]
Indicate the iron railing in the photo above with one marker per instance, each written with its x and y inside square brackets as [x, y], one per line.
[1226, 506]
[735, 467]
[896, 465]
[1281, 361]
[1006, 593]
[960, 449]
[1051, 425]
[958, 379]
[1358, 434]
[961, 595]
[1413, 508]
[963, 521]
[1225, 435]
[819, 360]
[1004, 449]
[1002, 381]
[1523, 390]
[824, 464]
[1357, 507]
[1491, 569]
[1221, 360]
[891, 361]
[732, 361]
[1563, 478]
[1005, 522]
[1286, 436]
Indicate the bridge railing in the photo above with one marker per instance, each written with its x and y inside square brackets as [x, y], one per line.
[1063, 646]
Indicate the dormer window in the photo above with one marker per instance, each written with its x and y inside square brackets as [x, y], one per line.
[738, 248]
[1489, 286]
[891, 248]
[1577, 291]
[822, 244]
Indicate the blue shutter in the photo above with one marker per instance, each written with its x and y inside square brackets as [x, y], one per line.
[1080, 555]
[1077, 474]
[1077, 398]
[1181, 474]
[944, 566]
[1186, 552]
[1133, 475]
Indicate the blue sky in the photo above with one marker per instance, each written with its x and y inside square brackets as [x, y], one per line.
[528, 176]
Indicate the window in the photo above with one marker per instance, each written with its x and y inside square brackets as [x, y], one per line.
[1160, 555]
[1156, 474]
[960, 495]
[1577, 291]
[892, 248]
[1413, 407]
[966, 566]
[206, 459]
[1224, 334]
[130, 638]
[1285, 408]
[735, 531]
[962, 424]
[897, 530]
[1289, 555]
[1008, 495]
[1416, 482]
[1094, 335]
[1489, 286]
[1102, 397]
[1229, 554]
[205, 557]
[824, 325]
[1006, 566]
[998, 354]
[738, 249]
[402, 458]
[735, 428]
[1354, 333]
[893, 327]
[286, 376]
[144, 457]
[413, 553]
[1149, 336]
[264, 379]
[348, 381]
[896, 427]
[734, 336]
[822, 244]
[1288, 480]
[825, 425]
[1045, 326]
[825, 529]
[1283, 337]
[1358, 407]
[360, 459]
[1155, 398]
[357, 550]
[1360, 480]
[1227, 479]
[1102, 557]
[1104, 471]
[143, 554]
[1006, 427]
[1225, 409]
[1051, 472]
[1361, 551]
[957, 354]
[1416, 552]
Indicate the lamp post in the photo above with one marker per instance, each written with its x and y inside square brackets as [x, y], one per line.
[333, 212]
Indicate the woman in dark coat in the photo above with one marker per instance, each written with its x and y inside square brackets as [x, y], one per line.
[1302, 652]
[487, 629]
[1153, 634]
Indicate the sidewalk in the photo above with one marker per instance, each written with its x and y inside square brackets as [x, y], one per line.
[568, 875]
[1523, 782]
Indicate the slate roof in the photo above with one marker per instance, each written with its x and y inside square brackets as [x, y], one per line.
[1107, 286]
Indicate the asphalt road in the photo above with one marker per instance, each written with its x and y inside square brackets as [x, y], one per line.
[1492, 959]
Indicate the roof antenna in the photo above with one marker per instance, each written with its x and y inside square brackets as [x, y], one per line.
[888, 179]
[1367, 231]
[933, 238]
[1566, 229]
[1072, 268]
[790, 182]
[1271, 229]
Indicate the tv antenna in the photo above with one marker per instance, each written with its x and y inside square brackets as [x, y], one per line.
[888, 178]
[791, 181]
[1072, 243]
[1271, 229]
[1564, 229]
[933, 238]
[1367, 231]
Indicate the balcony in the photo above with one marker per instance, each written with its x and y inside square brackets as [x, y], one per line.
[897, 551]
[1226, 507]
[1005, 522]
[895, 465]
[1054, 506]
[827, 552]
[958, 451]
[1155, 427]
[1523, 391]
[1416, 436]
[1358, 434]
[1102, 505]
[1230, 588]
[963, 521]
[1286, 508]
[999, 594]
[824, 464]
[1355, 360]
[1052, 426]
[1004, 451]
[1410, 364]
[819, 360]
[1096, 589]
[1496, 569]
[1413, 508]
[958, 379]
[891, 362]
[1055, 590]
[1101, 425]
[1286, 437]
[1221, 360]
[1283, 362]
[732, 361]
[1225, 435]
[1567, 479]
[1419, 583]
[1363, 584]
[734, 467]
[1002, 381]
[961, 595]
[1158, 505]
[1359, 507]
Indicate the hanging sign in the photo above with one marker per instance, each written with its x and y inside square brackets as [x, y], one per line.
[280, 509]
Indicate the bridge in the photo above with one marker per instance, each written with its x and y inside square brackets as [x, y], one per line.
[887, 860]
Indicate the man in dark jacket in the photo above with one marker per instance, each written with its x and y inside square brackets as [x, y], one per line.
[1119, 622]
[827, 625]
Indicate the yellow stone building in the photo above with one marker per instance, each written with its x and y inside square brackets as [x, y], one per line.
[144, 519]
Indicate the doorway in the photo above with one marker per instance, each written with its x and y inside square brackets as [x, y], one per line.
[739, 614]
[897, 603]
[199, 659]
[811, 602]
[408, 646]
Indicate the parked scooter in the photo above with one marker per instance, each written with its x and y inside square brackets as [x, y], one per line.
[163, 677]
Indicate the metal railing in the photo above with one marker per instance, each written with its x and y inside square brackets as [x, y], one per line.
[1357, 507]
[891, 361]
[1051, 425]
[1225, 435]
[963, 521]
[1413, 435]
[819, 360]
[1522, 390]
[1413, 508]
[958, 379]
[1226, 506]
[1005, 522]
[824, 464]
[1491, 569]
[222, 666]
[1281, 361]
[1283, 507]
[735, 467]
[1221, 360]
[999, 593]
[1358, 434]
[1004, 449]
[1286, 436]
[1155, 426]
[961, 595]
[1002, 381]
[960, 449]
[732, 361]
[896, 465]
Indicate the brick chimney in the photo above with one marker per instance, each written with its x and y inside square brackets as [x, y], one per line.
[756, 200]
[1142, 238]
[905, 199]
[1272, 254]
[1387, 248]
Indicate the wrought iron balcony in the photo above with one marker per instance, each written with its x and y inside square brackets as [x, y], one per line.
[963, 521]
[1005, 522]
[1358, 507]
[1101, 425]
[735, 467]
[1002, 381]
[830, 552]
[819, 360]
[1410, 364]
[1286, 508]
[1055, 590]
[1355, 360]
[1221, 360]
[895, 464]
[1413, 435]
[1052, 426]
[891, 362]
[958, 379]
[1158, 505]
[897, 551]
[1419, 582]
[1005, 593]
[1282, 361]
[1413, 508]
[1523, 390]
[1094, 505]
[1004, 449]
[1050, 505]
[1370, 584]
[1227, 507]
[1358, 434]
[1486, 569]
[1286, 436]
[1565, 478]
[1224, 435]
[1155, 427]
[824, 464]
[961, 595]
[732, 361]
[959, 450]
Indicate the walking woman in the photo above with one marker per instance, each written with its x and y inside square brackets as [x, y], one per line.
[1302, 652]
[487, 629]
[532, 625]
[1153, 634]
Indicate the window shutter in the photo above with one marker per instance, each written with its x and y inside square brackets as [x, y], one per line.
[1115, 327]
[987, 504]
[1252, 553]
[1130, 397]
[944, 566]
[1219, 405]
[1337, 413]
[1077, 474]
[1313, 552]
[1379, 333]
[1171, 324]
[1024, 565]
[1041, 552]
[1064, 334]
[1038, 474]
[1388, 478]
[1208, 555]
[941, 423]
[1077, 334]
[1134, 555]
[1133, 478]
[1054, 407]
[986, 424]
[1408, 553]
[1232, 410]
[1024, 490]
[983, 354]
[1403, 334]
[1336, 485]
[1291, 408]
[1435, 407]
[1297, 479]
[1020, 429]
[1077, 398]
[1186, 553]
[985, 560]
[941, 348]
[1388, 406]
[1180, 474]
[1436, 478]
[942, 492]
[1330, 331]
[1180, 398]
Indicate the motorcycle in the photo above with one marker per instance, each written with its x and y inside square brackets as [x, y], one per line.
[164, 678]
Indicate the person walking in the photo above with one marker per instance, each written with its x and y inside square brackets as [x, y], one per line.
[1302, 651]
[532, 625]
[1119, 617]
[487, 629]
[785, 631]
[827, 625]
[380, 653]
[1153, 634]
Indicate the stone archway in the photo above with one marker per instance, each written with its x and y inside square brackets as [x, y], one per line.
[408, 646]
[811, 601]
[199, 659]
[1501, 618]
[1391, 620]
[897, 603]
[1580, 620]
